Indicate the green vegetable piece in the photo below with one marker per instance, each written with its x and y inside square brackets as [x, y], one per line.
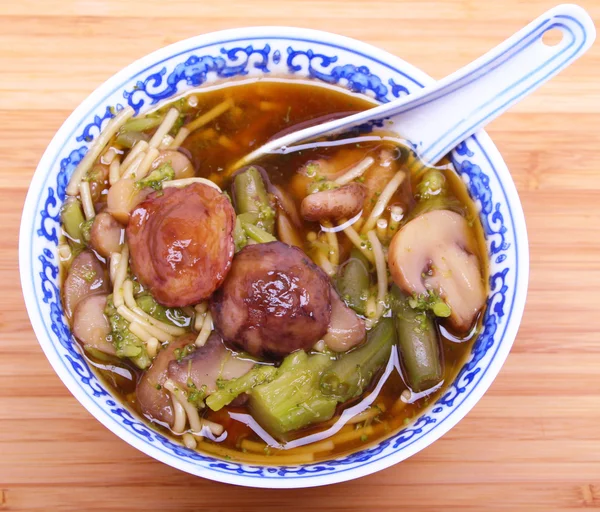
[72, 219]
[129, 139]
[353, 281]
[418, 342]
[239, 236]
[350, 375]
[257, 233]
[155, 179]
[292, 400]
[430, 301]
[174, 316]
[250, 195]
[86, 229]
[433, 183]
[230, 389]
[141, 124]
[126, 343]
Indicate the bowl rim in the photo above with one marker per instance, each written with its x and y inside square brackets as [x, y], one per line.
[373, 53]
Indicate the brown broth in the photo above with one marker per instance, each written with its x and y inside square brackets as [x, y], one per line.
[263, 109]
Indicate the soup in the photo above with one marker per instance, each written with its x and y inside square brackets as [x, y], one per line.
[289, 311]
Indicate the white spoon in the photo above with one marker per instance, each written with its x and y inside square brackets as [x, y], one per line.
[438, 117]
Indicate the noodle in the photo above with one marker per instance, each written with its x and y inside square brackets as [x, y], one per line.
[334, 249]
[86, 200]
[396, 214]
[166, 142]
[64, 252]
[131, 317]
[207, 326]
[179, 138]
[152, 347]
[138, 329]
[359, 243]
[380, 266]
[181, 397]
[128, 294]
[189, 441]
[180, 417]
[356, 172]
[114, 172]
[371, 412]
[384, 199]
[382, 226]
[206, 118]
[139, 147]
[168, 328]
[146, 163]
[131, 170]
[108, 157]
[184, 182]
[164, 128]
[120, 275]
[115, 257]
[324, 263]
[94, 151]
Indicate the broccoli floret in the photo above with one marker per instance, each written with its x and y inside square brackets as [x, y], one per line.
[155, 179]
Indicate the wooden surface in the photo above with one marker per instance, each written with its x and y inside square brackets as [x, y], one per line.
[532, 443]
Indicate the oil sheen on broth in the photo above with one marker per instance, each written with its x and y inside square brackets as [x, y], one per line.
[227, 123]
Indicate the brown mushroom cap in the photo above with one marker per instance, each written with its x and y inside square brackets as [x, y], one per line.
[335, 204]
[435, 251]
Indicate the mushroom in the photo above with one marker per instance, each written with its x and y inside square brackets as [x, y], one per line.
[181, 165]
[86, 276]
[123, 197]
[274, 301]
[106, 234]
[181, 243]
[335, 204]
[207, 364]
[90, 325]
[346, 329]
[435, 251]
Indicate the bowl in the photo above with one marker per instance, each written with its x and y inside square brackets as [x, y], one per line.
[267, 52]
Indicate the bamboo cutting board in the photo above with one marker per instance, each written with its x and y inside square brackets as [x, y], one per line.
[532, 443]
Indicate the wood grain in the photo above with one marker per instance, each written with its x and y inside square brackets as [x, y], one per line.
[532, 443]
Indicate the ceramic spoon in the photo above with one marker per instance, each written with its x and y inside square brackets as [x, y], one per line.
[438, 117]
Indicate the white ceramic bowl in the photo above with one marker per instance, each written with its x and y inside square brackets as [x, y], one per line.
[252, 52]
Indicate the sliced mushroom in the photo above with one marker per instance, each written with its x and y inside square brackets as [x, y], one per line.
[335, 204]
[106, 234]
[86, 276]
[346, 329]
[123, 197]
[90, 325]
[154, 400]
[205, 365]
[179, 162]
[435, 251]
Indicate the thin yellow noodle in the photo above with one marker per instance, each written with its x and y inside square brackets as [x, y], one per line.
[213, 113]
[215, 428]
[164, 128]
[184, 182]
[347, 436]
[132, 168]
[324, 263]
[94, 151]
[334, 248]
[86, 200]
[384, 199]
[371, 412]
[190, 410]
[257, 447]
[139, 330]
[139, 147]
[120, 275]
[179, 138]
[228, 454]
[358, 242]
[168, 328]
[64, 252]
[199, 321]
[382, 231]
[131, 317]
[356, 172]
[152, 346]
[207, 326]
[180, 416]
[380, 266]
[146, 163]
[371, 307]
[201, 308]
[189, 441]
[128, 294]
[115, 257]
[108, 156]
[166, 142]
[114, 171]
[396, 214]
[227, 143]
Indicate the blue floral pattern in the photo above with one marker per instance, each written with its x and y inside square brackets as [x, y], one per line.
[326, 64]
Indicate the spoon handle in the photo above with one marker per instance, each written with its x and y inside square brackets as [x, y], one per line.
[470, 98]
[438, 117]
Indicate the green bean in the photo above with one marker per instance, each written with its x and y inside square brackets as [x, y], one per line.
[350, 375]
[433, 183]
[418, 342]
[141, 124]
[72, 219]
[231, 389]
[258, 234]
[128, 139]
[353, 281]
[240, 238]
[251, 196]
